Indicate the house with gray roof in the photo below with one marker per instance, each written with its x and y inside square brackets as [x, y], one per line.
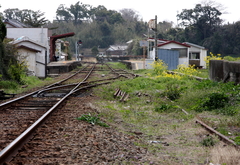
[117, 50]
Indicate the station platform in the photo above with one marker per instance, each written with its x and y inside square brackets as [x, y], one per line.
[58, 67]
[139, 64]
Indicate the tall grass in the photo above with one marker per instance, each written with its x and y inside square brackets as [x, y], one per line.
[29, 81]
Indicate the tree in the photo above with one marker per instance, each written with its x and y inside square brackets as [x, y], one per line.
[203, 20]
[11, 13]
[35, 18]
[30, 17]
[79, 12]
[95, 50]
[1, 15]
[129, 15]
[3, 31]
[62, 13]
[101, 14]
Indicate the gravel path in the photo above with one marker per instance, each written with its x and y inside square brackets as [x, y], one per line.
[65, 140]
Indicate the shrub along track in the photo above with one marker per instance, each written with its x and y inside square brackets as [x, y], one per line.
[8, 123]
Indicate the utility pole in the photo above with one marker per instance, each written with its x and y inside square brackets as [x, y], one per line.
[155, 44]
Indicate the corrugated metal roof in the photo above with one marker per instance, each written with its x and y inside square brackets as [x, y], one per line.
[16, 23]
[117, 47]
[197, 46]
[168, 42]
[24, 38]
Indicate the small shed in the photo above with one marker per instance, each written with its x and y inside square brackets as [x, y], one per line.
[180, 47]
[34, 53]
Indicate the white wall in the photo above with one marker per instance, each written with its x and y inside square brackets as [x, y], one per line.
[39, 35]
[203, 54]
[30, 58]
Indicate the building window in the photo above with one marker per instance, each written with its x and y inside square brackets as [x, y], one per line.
[194, 55]
[182, 52]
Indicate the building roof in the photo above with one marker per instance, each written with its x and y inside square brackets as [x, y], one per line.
[15, 23]
[53, 39]
[175, 42]
[162, 42]
[158, 40]
[117, 47]
[194, 45]
[25, 39]
[28, 48]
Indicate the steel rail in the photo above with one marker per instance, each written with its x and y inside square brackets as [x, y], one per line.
[116, 72]
[10, 150]
[221, 136]
[8, 103]
[135, 75]
[74, 84]
[83, 79]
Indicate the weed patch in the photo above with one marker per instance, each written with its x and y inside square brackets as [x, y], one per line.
[92, 120]
[173, 91]
[208, 141]
[211, 101]
[164, 108]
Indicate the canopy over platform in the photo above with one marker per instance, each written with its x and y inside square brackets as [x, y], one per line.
[53, 46]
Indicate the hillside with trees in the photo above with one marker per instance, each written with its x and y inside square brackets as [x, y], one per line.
[99, 27]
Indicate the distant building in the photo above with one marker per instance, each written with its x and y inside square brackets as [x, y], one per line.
[32, 43]
[188, 53]
[37, 42]
[117, 50]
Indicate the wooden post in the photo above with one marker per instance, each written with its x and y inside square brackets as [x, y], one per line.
[144, 52]
[156, 45]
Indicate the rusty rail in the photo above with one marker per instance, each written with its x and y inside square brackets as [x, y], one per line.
[210, 129]
[9, 151]
[16, 100]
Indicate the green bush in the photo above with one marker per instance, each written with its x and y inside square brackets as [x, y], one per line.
[17, 71]
[172, 91]
[211, 101]
[208, 141]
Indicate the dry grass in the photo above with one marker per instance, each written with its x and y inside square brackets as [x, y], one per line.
[225, 155]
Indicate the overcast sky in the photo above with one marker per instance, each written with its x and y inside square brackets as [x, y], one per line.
[166, 10]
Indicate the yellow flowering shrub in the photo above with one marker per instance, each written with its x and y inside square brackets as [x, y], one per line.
[187, 70]
[160, 69]
[212, 57]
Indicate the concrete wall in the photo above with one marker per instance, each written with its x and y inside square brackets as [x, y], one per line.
[226, 71]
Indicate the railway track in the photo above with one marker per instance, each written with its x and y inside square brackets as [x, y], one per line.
[21, 117]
